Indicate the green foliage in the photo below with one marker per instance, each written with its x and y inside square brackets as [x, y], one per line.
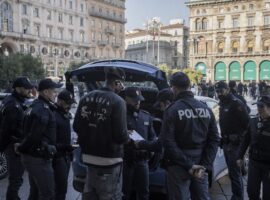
[194, 75]
[16, 65]
[74, 65]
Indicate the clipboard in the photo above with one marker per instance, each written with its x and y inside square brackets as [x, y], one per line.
[134, 135]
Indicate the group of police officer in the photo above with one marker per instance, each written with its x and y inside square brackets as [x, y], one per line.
[117, 139]
[37, 138]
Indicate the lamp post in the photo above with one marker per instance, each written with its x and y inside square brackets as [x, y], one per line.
[55, 54]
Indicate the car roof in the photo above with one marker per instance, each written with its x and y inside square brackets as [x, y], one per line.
[135, 72]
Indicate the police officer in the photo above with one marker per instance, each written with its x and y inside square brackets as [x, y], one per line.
[136, 170]
[62, 159]
[234, 122]
[12, 113]
[190, 138]
[38, 146]
[100, 123]
[258, 140]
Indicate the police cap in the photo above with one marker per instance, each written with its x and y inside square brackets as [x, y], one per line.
[48, 83]
[66, 96]
[180, 79]
[163, 96]
[221, 85]
[134, 93]
[22, 82]
[115, 73]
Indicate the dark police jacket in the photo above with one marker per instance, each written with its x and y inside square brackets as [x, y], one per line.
[100, 123]
[39, 129]
[189, 126]
[258, 138]
[142, 123]
[12, 113]
[233, 117]
[63, 131]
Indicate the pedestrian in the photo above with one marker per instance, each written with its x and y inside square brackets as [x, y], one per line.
[100, 123]
[136, 169]
[245, 90]
[234, 122]
[12, 114]
[62, 159]
[39, 144]
[258, 140]
[190, 138]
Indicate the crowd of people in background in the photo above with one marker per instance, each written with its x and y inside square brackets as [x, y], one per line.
[251, 89]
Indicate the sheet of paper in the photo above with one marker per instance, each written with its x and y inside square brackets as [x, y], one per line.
[135, 136]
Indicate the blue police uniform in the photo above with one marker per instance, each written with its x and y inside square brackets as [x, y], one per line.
[234, 121]
[258, 139]
[136, 171]
[190, 136]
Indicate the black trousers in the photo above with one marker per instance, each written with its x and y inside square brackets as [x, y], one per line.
[61, 168]
[258, 174]
[136, 178]
[15, 173]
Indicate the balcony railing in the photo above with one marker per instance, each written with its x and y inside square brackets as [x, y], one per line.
[107, 16]
[109, 31]
[102, 43]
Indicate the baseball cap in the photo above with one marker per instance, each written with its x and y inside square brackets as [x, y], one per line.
[114, 73]
[263, 100]
[221, 85]
[22, 82]
[179, 79]
[134, 93]
[66, 96]
[48, 83]
[164, 95]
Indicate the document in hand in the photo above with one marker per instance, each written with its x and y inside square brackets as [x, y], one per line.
[134, 135]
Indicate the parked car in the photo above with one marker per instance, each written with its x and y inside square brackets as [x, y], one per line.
[3, 159]
[150, 79]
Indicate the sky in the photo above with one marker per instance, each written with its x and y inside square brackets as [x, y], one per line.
[138, 11]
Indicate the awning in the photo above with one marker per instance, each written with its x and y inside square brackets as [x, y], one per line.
[235, 71]
[265, 70]
[220, 71]
[201, 67]
[250, 71]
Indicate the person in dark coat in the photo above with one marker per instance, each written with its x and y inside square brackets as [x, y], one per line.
[62, 159]
[12, 114]
[258, 140]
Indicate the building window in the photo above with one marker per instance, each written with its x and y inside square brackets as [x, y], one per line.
[36, 12]
[81, 21]
[60, 3]
[235, 47]
[266, 20]
[82, 8]
[61, 33]
[49, 31]
[93, 22]
[267, 5]
[48, 1]
[37, 29]
[250, 21]
[266, 46]
[220, 47]
[49, 15]
[198, 24]
[235, 23]
[82, 36]
[21, 48]
[93, 36]
[100, 25]
[204, 24]
[60, 17]
[71, 35]
[250, 46]
[70, 4]
[70, 20]
[24, 9]
[220, 24]
[251, 7]
[235, 8]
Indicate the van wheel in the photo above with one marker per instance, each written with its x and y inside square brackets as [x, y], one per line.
[3, 165]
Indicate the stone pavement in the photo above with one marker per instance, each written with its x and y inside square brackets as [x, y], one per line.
[221, 190]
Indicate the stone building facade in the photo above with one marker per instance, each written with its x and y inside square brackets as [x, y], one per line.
[230, 39]
[61, 31]
[168, 45]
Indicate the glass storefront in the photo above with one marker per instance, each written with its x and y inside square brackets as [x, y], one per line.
[250, 71]
[265, 70]
[235, 71]
[220, 71]
[201, 67]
